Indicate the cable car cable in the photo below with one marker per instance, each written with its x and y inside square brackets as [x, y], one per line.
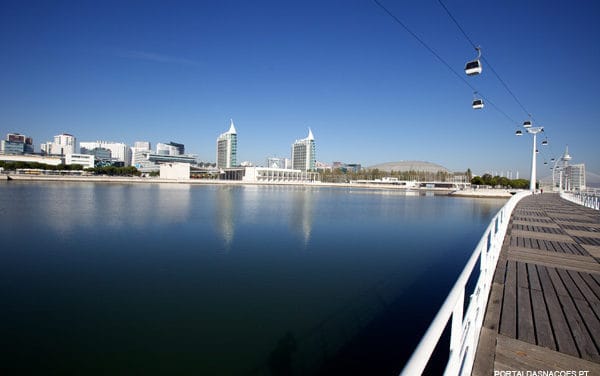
[484, 58]
[460, 76]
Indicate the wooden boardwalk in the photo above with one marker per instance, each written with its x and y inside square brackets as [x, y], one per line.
[543, 312]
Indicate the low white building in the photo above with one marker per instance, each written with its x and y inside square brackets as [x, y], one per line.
[86, 160]
[175, 171]
[55, 161]
[278, 175]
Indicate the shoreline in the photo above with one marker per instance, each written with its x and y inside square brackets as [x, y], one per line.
[479, 193]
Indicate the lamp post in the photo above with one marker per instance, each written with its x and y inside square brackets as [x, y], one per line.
[534, 131]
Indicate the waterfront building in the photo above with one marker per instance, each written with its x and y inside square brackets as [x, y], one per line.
[146, 161]
[277, 162]
[175, 171]
[227, 148]
[118, 150]
[86, 160]
[11, 147]
[63, 144]
[137, 149]
[54, 161]
[268, 175]
[142, 145]
[569, 177]
[575, 176]
[278, 175]
[172, 148]
[16, 143]
[304, 153]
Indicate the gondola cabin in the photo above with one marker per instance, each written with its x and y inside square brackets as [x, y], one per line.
[473, 68]
[477, 104]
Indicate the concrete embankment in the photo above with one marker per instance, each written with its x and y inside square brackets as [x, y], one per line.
[483, 193]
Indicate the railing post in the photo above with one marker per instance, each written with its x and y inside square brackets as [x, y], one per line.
[456, 334]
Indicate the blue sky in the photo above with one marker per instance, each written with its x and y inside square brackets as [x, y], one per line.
[178, 71]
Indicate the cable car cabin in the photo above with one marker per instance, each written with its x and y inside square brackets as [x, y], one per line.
[518, 133]
[477, 104]
[473, 68]
[544, 142]
[527, 124]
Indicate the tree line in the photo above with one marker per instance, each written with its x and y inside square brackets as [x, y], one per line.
[105, 170]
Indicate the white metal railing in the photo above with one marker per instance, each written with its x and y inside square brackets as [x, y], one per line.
[464, 331]
[589, 198]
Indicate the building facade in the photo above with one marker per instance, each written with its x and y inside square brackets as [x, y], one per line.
[63, 144]
[118, 150]
[227, 148]
[16, 143]
[86, 160]
[304, 153]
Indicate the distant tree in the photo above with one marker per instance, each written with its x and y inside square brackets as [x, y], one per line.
[477, 180]
[469, 174]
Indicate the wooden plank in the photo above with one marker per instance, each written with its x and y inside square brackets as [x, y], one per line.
[534, 279]
[587, 234]
[569, 284]
[494, 308]
[525, 330]
[486, 351]
[584, 342]
[525, 223]
[543, 329]
[562, 333]
[593, 250]
[515, 355]
[508, 318]
[539, 235]
[588, 294]
[578, 263]
[593, 284]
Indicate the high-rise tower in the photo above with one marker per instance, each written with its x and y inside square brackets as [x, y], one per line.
[304, 153]
[227, 148]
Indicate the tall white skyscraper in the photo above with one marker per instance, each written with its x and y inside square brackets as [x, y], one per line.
[227, 148]
[304, 153]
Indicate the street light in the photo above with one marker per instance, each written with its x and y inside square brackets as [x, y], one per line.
[534, 131]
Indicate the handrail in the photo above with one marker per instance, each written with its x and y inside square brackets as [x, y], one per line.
[589, 199]
[465, 331]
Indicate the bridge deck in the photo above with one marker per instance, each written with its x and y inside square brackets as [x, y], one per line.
[543, 312]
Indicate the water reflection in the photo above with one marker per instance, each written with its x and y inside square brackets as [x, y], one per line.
[266, 305]
[301, 216]
[225, 215]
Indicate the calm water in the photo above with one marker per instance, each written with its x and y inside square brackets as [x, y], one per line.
[109, 278]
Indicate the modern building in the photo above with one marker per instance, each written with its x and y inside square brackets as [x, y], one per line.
[172, 148]
[175, 171]
[86, 160]
[227, 148]
[137, 150]
[568, 176]
[268, 175]
[11, 147]
[55, 161]
[276, 162]
[304, 153]
[118, 150]
[278, 175]
[63, 144]
[142, 145]
[146, 161]
[16, 143]
[575, 174]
